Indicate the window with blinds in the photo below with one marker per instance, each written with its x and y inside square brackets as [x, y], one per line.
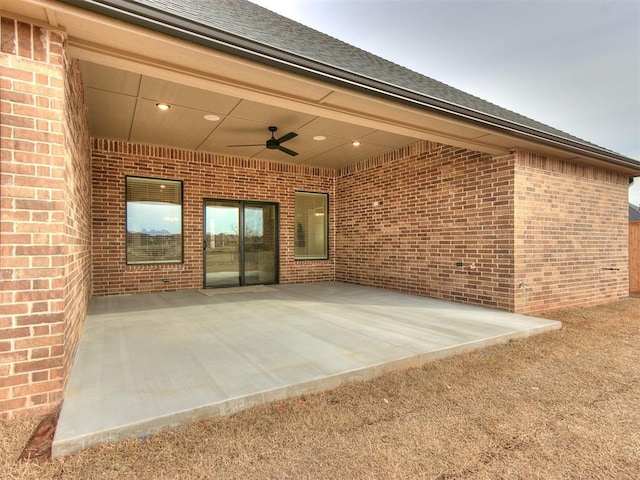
[154, 220]
[311, 226]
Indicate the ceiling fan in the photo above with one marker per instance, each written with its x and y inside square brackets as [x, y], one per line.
[275, 143]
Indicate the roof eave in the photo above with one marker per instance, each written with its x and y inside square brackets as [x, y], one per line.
[178, 27]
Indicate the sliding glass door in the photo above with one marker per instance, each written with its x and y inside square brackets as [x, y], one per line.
[222, 244]
[240, 243]
[260, 240]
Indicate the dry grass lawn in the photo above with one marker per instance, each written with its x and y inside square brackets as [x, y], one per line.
[561, 405]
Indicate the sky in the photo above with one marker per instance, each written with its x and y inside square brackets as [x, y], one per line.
[150, 216]
[571, 64]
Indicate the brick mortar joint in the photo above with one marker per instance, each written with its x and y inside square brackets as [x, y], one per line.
[120, 148]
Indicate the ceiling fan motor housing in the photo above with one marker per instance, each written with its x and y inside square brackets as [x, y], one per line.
[272, 143]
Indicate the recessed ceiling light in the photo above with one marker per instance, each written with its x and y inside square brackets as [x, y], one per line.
[319, 138]
[163, 106]
[356, 143]
[211, 117]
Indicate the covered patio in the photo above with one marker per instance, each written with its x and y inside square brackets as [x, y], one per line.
[146, 362]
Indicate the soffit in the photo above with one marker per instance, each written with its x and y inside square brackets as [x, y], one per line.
[127, 70]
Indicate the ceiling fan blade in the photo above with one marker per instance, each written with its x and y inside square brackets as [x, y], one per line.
[250, 145]
[287, 151]
[287, 137]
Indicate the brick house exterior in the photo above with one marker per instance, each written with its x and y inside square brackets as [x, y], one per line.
[506, 231]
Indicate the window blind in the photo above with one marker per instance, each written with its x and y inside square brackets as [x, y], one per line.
[154, 220]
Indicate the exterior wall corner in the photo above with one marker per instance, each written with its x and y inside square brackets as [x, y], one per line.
[38, 236]
[429, 219]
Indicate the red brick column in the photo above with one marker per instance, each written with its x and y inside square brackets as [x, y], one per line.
[34, 217]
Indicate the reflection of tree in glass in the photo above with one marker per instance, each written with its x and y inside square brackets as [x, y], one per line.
[253, 228]
[226, 239]
[153, 247]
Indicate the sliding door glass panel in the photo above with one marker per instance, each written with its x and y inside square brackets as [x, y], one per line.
[222, 244]
[259, 244]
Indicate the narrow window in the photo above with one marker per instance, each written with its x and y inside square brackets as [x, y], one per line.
[311, 226]
[154, 220]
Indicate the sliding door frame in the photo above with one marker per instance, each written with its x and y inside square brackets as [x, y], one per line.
[242, 204]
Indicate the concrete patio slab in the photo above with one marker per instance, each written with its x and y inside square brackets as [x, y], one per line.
[146, 362]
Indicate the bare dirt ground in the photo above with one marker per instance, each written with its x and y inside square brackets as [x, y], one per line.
[562, 405]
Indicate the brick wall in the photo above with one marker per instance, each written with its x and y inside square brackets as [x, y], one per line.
[77, 292]
[37, 218]
[571, 234]
[204, 176]
[429, 219]
[521, 232]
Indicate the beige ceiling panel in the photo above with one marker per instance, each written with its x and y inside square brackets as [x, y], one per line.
[346, 155]
[335, 128]
[235, 131]
[110, 79]
[178, 127]
[286, 120]
[181, 95]
[307, 147]
[387, 139]
[110, 114]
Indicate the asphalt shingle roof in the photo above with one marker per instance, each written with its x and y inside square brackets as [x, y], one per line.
[245, 21]
[634, 213]
[253, 22]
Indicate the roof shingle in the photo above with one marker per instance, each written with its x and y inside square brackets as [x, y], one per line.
[248, 21]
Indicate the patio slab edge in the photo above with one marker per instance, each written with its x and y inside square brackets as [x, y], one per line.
[231, 406]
